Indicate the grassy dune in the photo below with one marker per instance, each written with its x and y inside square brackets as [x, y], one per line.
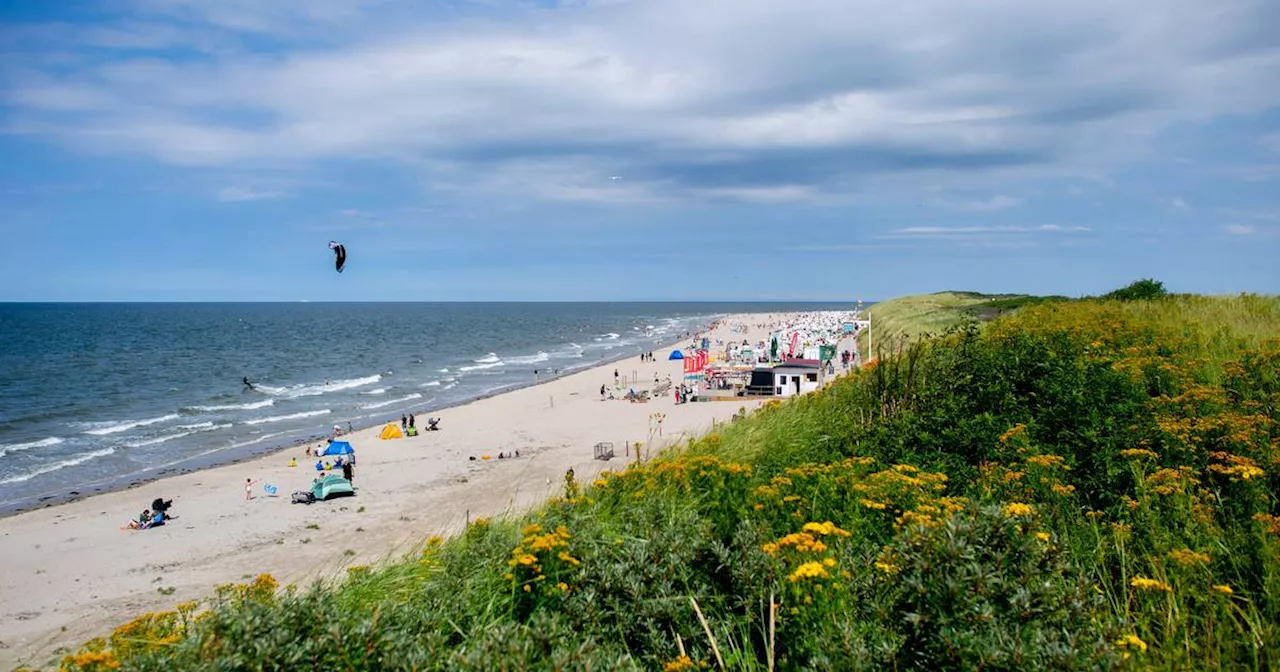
[897, 322]
[1086, 484]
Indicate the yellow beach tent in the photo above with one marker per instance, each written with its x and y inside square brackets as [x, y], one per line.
[392, 431]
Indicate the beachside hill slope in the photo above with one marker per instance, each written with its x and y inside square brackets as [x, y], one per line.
[899, 321]
[1083, 484]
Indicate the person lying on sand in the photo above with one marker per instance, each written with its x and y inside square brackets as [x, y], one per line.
[140, 524]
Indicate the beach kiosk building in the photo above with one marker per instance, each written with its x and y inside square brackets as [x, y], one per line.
[793, 377]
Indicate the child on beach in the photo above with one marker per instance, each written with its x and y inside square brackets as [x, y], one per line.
[248, 489]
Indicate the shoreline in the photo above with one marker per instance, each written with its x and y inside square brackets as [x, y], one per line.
[231, 456]
[73, 573]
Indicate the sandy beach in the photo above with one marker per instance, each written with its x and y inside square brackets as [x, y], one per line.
[72, 573]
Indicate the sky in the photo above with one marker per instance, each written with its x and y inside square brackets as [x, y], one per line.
[187, 150]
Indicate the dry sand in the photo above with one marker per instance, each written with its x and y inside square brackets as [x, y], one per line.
[70, 572]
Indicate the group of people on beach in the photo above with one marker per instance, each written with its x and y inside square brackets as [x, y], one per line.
[156, 515]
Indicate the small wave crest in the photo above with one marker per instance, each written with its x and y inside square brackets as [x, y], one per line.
[530, 359]
[231, 407]
[380, 404]
[477, 367]
[333, 386]
[490, 358]
[15, 447]
[130, 424]
[380, 390]
[194, 429]
[80, 459]
[291, 416]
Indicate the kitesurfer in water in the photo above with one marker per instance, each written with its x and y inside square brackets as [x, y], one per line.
[248, 384]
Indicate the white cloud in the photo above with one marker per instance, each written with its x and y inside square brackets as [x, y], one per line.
[1178, 204]
[1241, 229]
[754, 100]
[250, 194]
[993, 204]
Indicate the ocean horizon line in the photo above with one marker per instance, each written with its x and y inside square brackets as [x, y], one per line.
[440, 302]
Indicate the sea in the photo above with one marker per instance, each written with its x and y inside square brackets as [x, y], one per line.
[98, 396]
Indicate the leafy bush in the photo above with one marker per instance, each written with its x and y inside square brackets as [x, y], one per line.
[1142, 290]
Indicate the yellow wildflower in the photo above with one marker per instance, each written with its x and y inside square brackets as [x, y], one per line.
[809, 570]
[1017, 509]
[1047, 461]
[1224, 589]
[1143, 583]
[826, 528]
[1187, 556]
[887, 567]
[872, 504]
[1042, 536]
[680, 664]
[1132, 642]
[1063, 489]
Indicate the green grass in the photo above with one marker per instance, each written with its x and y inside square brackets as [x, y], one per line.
[1080, 484]
[897, 322]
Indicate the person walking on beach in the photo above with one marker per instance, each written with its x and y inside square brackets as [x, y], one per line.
[404, 422]
[615, 376]
[248, 489]
[349, 473]
[410, 419]
[601, 391]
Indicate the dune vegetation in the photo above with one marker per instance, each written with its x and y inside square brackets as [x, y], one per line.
[1084, 484]
[897, 323]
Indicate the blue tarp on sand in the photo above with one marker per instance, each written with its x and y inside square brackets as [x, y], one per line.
[339, 448]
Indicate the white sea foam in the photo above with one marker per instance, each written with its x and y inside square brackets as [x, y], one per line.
[42, 443]
[530, 359]
[434, 383]
[380, 404]
[477, 367]
[130, 424]
[258, 439]
[291, 416]
[444, 370]
[79, 459]
[333, 386]
[232, 407]
[380, 390]
[202, 427]
[490, 358]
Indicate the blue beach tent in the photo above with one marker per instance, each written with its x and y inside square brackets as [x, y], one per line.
[675, 354]
[339, 448]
